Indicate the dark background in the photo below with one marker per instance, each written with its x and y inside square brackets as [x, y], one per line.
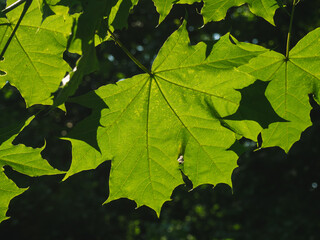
[275, 196]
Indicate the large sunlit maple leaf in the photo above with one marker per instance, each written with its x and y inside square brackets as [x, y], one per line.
[148, 122]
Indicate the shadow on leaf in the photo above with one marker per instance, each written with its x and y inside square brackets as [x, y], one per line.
[87, 129]
[255, 106]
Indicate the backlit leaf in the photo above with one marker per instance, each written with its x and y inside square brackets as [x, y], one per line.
[144, 124]
[291, 81]
[8, 190]
[20, 158]
[91, 30]
[33, 62]
[215, 10]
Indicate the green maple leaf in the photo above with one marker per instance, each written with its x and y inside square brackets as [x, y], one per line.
[164, 7]
[95, 18]
[118, 15]
[8, 190]
[33, 61]
[291, 81]
[24, 159]
[20, 158]
[215, 10]
[90, 31]
[144, 124]
[52, 2]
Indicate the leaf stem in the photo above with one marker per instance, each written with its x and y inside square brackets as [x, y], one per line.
[12, 6]
[127, 52]
[24, 11]
[295, 2]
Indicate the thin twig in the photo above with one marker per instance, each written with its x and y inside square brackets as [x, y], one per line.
[25, 9]
[12, 6]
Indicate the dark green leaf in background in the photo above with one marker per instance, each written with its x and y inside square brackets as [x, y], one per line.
[215, 10]
[90, 30]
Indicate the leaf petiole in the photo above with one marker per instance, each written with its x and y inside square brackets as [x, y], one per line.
[127, 52]
[295, 2]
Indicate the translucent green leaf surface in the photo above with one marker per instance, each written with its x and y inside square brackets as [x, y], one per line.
[144, 124]
[119, 13]
[33, 62]
[24, 159]
[215, 10]
[8, 190]
[20, 158]
[91, 30]
[291, 81]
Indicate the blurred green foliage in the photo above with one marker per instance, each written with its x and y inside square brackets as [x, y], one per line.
[275, 196]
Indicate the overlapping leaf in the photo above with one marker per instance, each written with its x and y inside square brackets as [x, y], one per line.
[119, 13]
[22, 159]
[144, 124]
[91, 30]
[215, 10]
[8, 190]
[291, 81]
[164, 7]
[33, 62]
